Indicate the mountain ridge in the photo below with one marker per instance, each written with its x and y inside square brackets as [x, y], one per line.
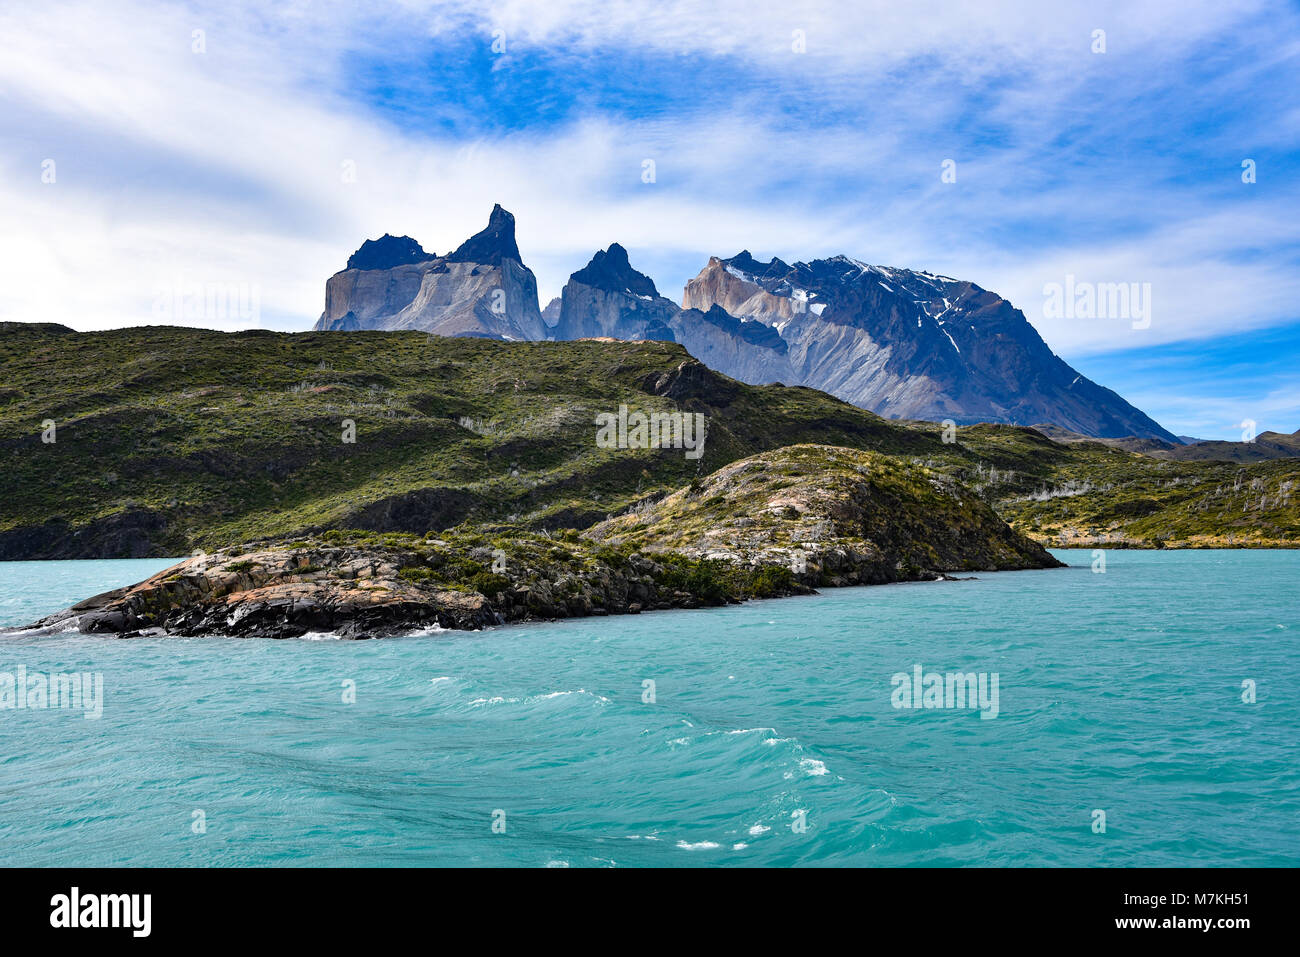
[903, 343]
[914, 345]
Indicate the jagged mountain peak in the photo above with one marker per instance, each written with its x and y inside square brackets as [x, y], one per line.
[481, 289]
[388, 251]
[751, 269]
[610, 270]
[491, 245]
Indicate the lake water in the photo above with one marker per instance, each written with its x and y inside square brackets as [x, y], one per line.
[771, 738]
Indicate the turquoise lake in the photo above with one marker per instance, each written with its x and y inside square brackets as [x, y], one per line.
[772, 738]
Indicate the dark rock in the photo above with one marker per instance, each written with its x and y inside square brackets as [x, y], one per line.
[420, 511]
[493, 244]
[131, 533]
[610, 270]
[387, 252]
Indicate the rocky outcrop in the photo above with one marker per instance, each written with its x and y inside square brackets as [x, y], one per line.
[774, 524]
[279, 593]
[367, 591]
[851, 516]
[482, 288]
[693, 386]
[912, 345]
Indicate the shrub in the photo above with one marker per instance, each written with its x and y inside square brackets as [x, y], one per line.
[706, 578]
[770, 581]
[489, 583]
[417, 573]
[463, 569]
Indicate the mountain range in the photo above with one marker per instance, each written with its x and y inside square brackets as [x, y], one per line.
[902, 343]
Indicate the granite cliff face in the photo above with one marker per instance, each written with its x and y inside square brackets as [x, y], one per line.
[912, 345]
[609, 298]
[754, 352]
[482, 288]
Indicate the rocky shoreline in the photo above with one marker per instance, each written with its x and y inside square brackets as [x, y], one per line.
[781, 523]
[376, 591]
[373, 591]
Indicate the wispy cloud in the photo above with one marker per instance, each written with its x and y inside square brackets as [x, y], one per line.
[797, 130]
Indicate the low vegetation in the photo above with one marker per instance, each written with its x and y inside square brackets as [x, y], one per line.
[159, 441]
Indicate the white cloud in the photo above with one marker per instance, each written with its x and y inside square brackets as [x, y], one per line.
[224, 167]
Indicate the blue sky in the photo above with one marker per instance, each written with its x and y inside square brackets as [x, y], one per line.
[798, 130]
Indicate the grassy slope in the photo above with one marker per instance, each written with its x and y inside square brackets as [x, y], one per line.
[173, 439]
[799, 496]
[1089, 494]
[170, 439]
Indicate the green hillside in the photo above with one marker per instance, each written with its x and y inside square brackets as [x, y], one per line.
[1089, 494]
[169, 440]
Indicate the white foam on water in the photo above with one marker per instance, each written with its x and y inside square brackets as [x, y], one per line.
[560, 694]
[699, 846]
[434, 629]
[531, 699]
